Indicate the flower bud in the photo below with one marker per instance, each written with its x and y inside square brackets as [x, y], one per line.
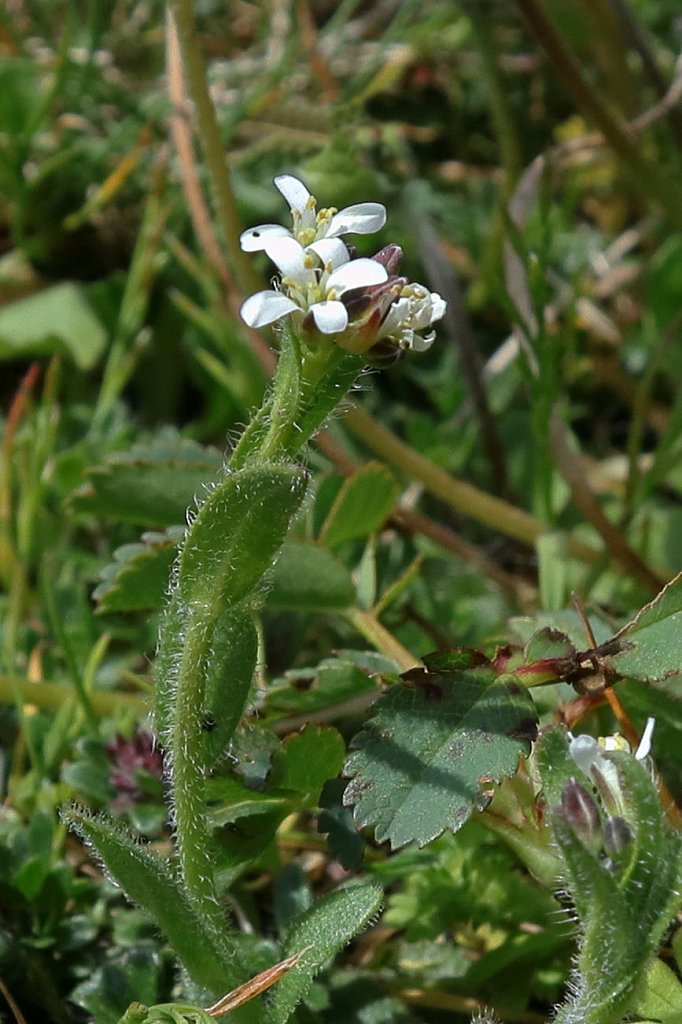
[390, 257]
[582, 814]
[617, 835]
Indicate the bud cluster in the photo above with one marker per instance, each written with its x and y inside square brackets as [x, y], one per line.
[580, 811]
[600, 818]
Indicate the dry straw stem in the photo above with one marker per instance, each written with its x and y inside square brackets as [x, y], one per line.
[655, 184]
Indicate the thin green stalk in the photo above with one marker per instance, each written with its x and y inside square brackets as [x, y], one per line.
[208, 131]
[381, 639]
[500, 109]
[460, 496]
[56, 622]
[51, 696]
[143, 268]
[653, 183]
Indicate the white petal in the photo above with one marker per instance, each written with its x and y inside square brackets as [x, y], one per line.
[395, 317]
[421, 343]
[361, 219]
[265, 307]
[439, 307]
[357, 274]
[255, 239]
[330, 317]
[644, 747]
[293, 190]
[289, 257]
[331, 250]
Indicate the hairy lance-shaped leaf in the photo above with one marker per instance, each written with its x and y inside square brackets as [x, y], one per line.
[233, 541]
[436, 744]
[318, 934]
[208, 958]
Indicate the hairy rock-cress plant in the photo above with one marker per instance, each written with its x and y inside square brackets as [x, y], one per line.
[585, 819]
[333, 309]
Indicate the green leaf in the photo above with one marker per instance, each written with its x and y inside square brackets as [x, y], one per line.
[151, 484]
[662, 995]
[362, 506]
[58, 319]
[307, 577]
[436, 743]
[653, 639]
[207, 957]
[134, 974]
[231, 800]
[237, 533]
[321, 932]
[138, 577]
[306, 760]
[233, 541]
[335, 680]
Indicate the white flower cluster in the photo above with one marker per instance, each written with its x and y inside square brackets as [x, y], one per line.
[318, 271]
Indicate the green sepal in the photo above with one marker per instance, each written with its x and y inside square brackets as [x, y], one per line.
[318, 934]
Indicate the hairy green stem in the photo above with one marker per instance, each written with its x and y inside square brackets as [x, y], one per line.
[186, 742]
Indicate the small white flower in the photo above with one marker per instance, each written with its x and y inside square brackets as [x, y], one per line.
[313, 279]
[310, 224]
[410, 315]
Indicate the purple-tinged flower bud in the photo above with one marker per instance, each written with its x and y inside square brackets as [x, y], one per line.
[390, 257]
[582, 814]
[617, 835]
